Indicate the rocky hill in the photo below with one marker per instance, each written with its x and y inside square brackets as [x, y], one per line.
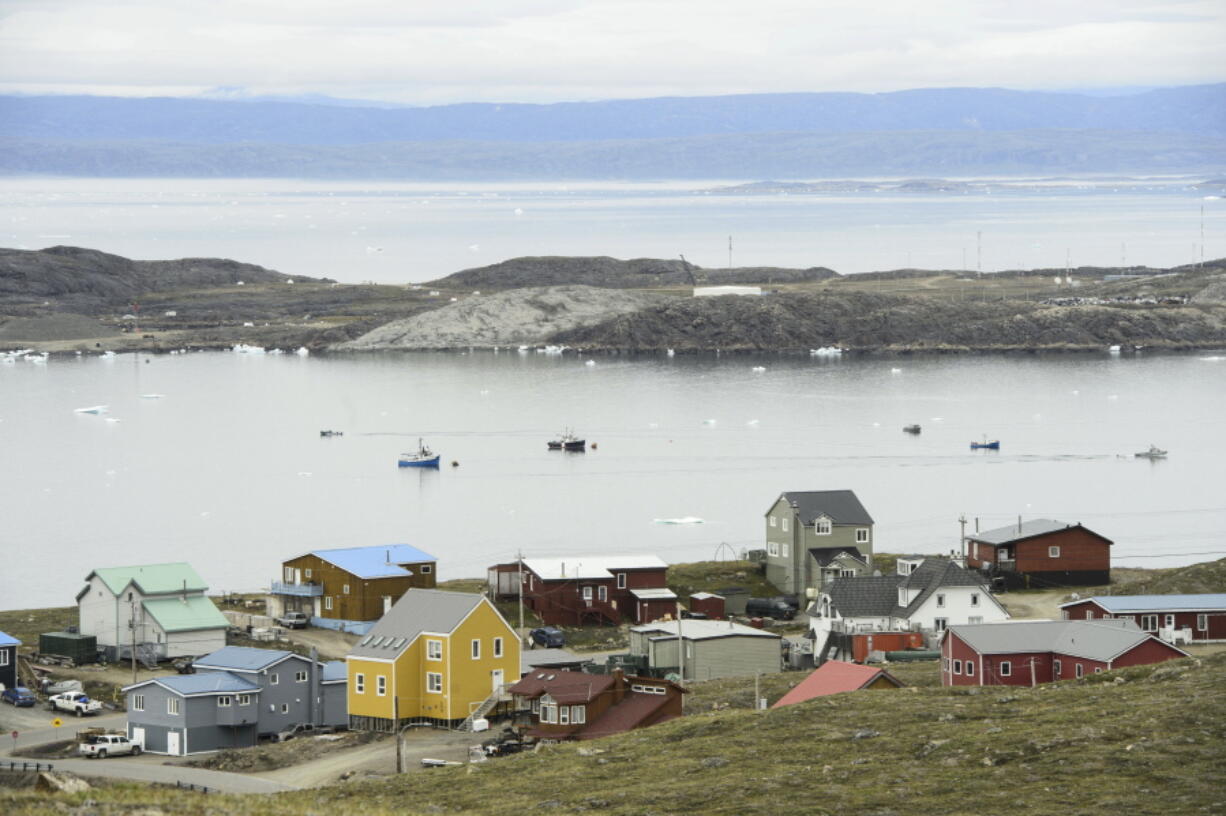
[612, 273]
[83, 280]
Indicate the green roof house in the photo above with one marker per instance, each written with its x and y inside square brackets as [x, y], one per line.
[158, 609]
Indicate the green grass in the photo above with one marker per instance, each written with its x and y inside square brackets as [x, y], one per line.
[27, 624]
[711, 576]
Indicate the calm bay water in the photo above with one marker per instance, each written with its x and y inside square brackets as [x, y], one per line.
[227, 469]
[400, 232]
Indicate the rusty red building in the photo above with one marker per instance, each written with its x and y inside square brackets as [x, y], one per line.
[567, 705]
[1040, 553]
[1026, 653]
[1189, 618]
[588, 589]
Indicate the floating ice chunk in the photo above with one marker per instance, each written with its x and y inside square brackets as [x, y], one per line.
[519, 211]
[708, 422]
[895, 370]
[682, 520]
[672, 353]
[590, 363]
[303, 351]
[112, 419]
[93, 409]
[759, 369]
[152, 396]
[752, 422]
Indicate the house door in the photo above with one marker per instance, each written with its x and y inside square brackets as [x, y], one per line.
[387, 603]
[138, 737]
[172, 743]
[496, 680]
[297, 576]
[318, 604]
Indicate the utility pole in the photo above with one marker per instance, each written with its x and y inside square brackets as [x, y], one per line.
[757, 676]
[399, 733]
[520, 557]
[962, 535]
[132, 626]
[680, 646]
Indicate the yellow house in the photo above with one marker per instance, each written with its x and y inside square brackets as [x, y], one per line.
[434, 656]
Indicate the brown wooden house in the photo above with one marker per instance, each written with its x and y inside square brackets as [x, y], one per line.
[588, 589]
[1174, 618]
[567, 705]
[1041, 553]
[350, 588]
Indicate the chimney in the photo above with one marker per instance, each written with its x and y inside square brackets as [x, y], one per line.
[1019, 525]
[388, 556]
[976, 524]
[184, 596]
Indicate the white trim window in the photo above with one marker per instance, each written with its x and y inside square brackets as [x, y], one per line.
[434, 649]
[1170, 621]
[426, 569]
[244, 699]
[307, 572]
[957, 666]
[225, 701]
[328, 602]
[381, 685]
[772, 549]
[359, 683]
[563, 715]
[1057, 668]
[785, 550]
[274, 679]
[861, 535]
[1202, 623]
[602, 592]
[1006, 668]
[940, 600]
[434, 682]
[772, 521]
[587, 593]
[783, 524]
[1079, 670]
[847, 573]
[822, 526]
[578, 715]
[549, 713]
[970, 668]
[1149, 623]
[498, 647]
[621, 580]
[974, 599]
[975, 619]
[1053, 552]
[172, 706]
[940, 624]
[138, 702]
[345, 590]
[300, 677]
[476, 647]
[285, 708]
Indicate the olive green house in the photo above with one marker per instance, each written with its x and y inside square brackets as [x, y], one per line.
[809, 531]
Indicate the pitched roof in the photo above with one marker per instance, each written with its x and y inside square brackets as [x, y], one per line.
[934, 574]
[654, 594]
[381, 561]
[209, 682]
[834, 677]
[841, 506]
[1027, 529]
[1102, 640]
[632, 711]
[867, 596]
[334, 672]
[175, 614]
[693, 629]
[590, 566]
[564, 686]
[1156, 603]
[242, 658]
[8, 640]
[151, 579]
[530, 659]
[825, 555]
[417, 611]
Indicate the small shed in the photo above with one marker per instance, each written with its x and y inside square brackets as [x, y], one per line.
[654, 603]
[836, 677]
[76, 647]
[708, 603]
[735, 598]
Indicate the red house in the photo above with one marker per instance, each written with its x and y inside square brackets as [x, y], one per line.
[1199, 618]
[1041, 553]
[1025, 653]
[588, 589]
[566, 705]
[836, 677]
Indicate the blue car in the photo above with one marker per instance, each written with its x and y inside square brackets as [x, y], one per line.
[548, 636]
[18, 696]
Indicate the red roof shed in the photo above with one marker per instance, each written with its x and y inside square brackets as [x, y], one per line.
[836, 677]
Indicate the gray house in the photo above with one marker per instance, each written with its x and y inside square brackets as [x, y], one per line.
[836, 562]
[800, 521]
[713, 649]
[238, 695]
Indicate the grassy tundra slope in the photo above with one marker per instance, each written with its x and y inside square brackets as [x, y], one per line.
[1147, 740]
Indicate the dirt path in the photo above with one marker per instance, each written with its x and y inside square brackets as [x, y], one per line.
[377, 758]
[1035, 604]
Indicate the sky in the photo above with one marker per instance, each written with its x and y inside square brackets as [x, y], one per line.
[425, 52]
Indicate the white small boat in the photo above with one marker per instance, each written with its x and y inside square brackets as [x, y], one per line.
[1154, 452]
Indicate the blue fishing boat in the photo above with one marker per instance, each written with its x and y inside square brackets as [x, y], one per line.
[986, 445]
[424, 457]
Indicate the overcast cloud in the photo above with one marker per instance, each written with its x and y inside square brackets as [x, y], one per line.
[427, 52]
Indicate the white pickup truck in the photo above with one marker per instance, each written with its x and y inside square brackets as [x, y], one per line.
[74, 701]
[102, 746]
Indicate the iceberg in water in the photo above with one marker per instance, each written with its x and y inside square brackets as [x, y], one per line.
[93, 409]
[683, 520]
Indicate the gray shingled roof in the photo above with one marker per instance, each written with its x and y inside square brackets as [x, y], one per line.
[841, 506]
[1094, 640]
[417, 611]
[1014, 532]
[824, 555]
[933, 574]
[877, 596]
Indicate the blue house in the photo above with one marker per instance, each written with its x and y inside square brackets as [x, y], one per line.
[8, 660]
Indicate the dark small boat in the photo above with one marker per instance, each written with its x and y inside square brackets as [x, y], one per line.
[331, 433]
[911, 429]
[568, 441]
[986, 445]
[424, 457]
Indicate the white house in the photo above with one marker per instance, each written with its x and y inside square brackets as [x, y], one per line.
[160, 609]
[925, 595]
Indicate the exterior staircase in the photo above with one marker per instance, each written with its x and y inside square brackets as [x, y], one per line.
[147, 654]
[486, 706]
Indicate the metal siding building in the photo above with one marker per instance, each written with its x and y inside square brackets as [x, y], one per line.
[712, 649]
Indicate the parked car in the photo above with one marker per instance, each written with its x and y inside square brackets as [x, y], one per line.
[74, 701]
[102, 746]
[184, 665]
[548, 636]
[688, 615]
[301, 730]
[769, 608]
[19, 696]
[293, 620]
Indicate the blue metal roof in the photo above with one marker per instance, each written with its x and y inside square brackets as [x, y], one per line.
[334, 670]
[206, 683]
[8, 640]
[382, 561]
[241, 658]
[1157, 603]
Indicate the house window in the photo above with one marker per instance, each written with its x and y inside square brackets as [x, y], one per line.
[426, 569]
[224, 701]
[138, 702]
[784, 524]
[434, 682]
[1006, 668]
[549, 713]
[434, 650]
[1149, 623]
[1098, 669]
[940, 600]
[285, 708]
[4, 657]
[328, 602]
[861, 535]
[289, 577]
[578, 715]
[244, 699]
[498, 645]
[957, 667]
[785, 550]
[975, 619]
[1170, 621]
[1056, 668]
[772, 521]
[621, 580]
[970, 668]
[772, 549]
[359, 684]
[822, 527]
[974, 599]
[307, 573]
[1202, 623]
[939, 624]
[847, 573]
[300, 677]
[381, 685]
[273, 679]
[587, 593]
[536, 705]
[172, 706]
[1053, 552]
[477, 648]
[602, 592]
[1080, 670]
[563, 715]
[345, 589]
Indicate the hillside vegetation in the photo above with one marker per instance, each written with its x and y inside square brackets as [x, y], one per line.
[1190, 580]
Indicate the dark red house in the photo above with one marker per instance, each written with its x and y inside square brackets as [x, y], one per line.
[1026, 653]
[1039, 554]
[566, 705]
[588, 589]
[1199, 618]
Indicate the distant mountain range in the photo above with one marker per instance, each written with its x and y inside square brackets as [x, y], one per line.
[944, 131]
